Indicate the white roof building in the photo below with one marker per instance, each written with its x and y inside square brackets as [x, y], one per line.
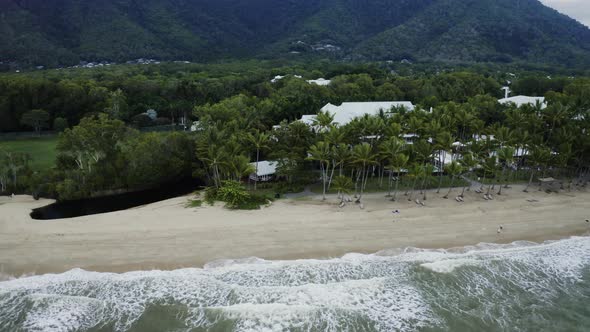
[280, 77]
[523, 100]
[320, 81]
[266, 169]
[347, 112]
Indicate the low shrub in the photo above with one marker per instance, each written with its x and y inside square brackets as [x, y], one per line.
[235, 196]
[211, 195]
[284, 187]
[253, 202]
[194, 203]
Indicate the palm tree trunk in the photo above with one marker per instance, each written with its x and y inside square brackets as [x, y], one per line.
[440, 172]
[215, 176]
[257, 160]
[451, 187]
[489, 189]
[413, 186]
[396, 186]
[364, 184]
[362, 178]
[423, 187]
[503, 172]
[324, 178]
[331, 174]
[356, 183]
[389, 184]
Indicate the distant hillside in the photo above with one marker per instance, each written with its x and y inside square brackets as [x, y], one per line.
[64, 32]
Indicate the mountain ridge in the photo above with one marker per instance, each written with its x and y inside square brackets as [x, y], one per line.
[64, 32]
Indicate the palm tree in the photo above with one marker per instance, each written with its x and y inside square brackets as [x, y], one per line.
[335, 136]
[363, 156]
[343, 185]
[506, 155]
[321, 153]
[340, 156]
[453, 169]
[468, 162]
[427, 170]
[444, 142]
[260, 141]
[399, 162]
[414, 124]
[415, 172]
[504, 136]
[392, 129]
[15, 162]
[489, 166]
[564, 158]
[481, 150]
[423, 154]
[323, 121]
[464, 119]
[239, 166]
[554, 114]
[539, 156]
[214, 160]
[389, 150]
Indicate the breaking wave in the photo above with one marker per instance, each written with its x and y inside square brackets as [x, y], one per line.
[521, 286]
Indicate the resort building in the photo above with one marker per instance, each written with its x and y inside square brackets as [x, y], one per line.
[320, 81]
[346, 112]
[266, 171]
[524, 100]
[280, 77]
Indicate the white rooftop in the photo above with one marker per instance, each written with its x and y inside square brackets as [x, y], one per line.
[523, 100]
[320, 81]
[265, 167]
[346, 112]
[280, 77]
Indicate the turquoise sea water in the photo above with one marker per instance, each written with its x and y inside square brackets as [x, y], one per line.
[517, 287]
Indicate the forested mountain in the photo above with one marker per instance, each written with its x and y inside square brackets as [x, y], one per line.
[64, 32]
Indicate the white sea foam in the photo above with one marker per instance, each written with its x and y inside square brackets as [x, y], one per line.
[391, 290]
[51, 313]
[449, 265]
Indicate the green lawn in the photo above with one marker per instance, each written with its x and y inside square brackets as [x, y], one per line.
[42, 150]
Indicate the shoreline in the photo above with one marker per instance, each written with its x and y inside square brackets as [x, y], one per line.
[166, 235]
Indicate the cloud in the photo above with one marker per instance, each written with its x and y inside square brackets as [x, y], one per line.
[578, 9]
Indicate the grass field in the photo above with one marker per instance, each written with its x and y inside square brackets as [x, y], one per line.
[42, 150]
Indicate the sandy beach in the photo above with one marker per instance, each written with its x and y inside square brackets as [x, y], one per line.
[166, 235]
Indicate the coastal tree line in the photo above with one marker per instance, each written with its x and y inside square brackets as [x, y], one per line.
[103, 153]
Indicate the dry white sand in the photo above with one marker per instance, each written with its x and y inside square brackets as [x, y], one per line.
[167, 235]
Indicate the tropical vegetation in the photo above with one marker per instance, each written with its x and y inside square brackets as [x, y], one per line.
[243, 119]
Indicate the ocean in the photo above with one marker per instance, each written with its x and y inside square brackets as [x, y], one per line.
[521, 286]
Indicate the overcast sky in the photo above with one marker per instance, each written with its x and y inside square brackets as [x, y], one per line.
[578, 9]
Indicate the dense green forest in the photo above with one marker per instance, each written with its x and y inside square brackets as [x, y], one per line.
[65, 32]
[101, 149]
[174, 90]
